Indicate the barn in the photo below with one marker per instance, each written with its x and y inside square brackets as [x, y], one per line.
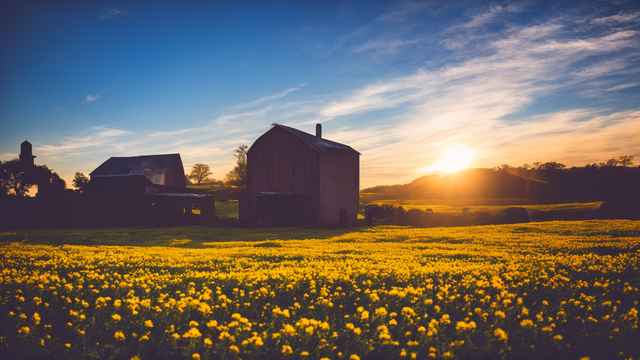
[148, 189]
[297, 179]
[164, 169]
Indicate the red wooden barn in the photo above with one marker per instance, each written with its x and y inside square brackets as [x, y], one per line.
[298, 179]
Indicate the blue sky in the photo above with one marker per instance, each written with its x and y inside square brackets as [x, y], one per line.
[400, 81]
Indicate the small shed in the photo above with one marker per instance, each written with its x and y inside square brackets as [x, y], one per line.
[297, 179]
[159, 169]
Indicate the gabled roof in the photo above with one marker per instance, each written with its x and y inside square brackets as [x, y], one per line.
[319, 144]
[146, 165]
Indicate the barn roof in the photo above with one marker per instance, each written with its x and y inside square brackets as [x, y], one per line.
[319, 144]
[146, 165]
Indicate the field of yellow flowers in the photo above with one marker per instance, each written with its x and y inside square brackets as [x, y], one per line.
[565, 290]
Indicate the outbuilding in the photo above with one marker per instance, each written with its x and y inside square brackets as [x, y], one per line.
[147, 189]
[163, 169]
[297, 179]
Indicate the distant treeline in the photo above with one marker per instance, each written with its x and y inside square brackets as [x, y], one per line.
[615, 180]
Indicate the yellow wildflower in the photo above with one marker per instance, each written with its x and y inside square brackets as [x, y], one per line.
[526, 323]
[502, 336]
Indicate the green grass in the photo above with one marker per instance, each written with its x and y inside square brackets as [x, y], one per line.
[224, 209]
[220, 190]
[213, 186]
[227, 209]
[588, 233]
[143, 236]
[445, 206]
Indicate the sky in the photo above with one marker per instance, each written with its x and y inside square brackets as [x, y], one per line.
[402, 82]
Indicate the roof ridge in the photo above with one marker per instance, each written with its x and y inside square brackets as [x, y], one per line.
[319, 144]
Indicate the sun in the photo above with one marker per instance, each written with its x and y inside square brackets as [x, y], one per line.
[456, 158]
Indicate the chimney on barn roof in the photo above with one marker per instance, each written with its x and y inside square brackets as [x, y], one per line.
[319, 131]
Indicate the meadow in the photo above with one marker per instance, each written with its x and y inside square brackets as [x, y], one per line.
[457, 206]
[557, 289]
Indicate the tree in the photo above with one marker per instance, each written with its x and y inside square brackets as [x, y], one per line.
[199, 173]
[625, 160]
[239, 173]
[79, 181]
[52, 183]
[18, 177]
[14, 176]
[551, 165]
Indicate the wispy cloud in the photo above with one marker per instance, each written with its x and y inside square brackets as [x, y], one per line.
[8, 155]
[92, 98]
[624, 86]
[615, 19]
[386, 33]
[466, 103]
[391, 46]
[111, 13]
[482, 18]
[481, 96]
[92, 140]
[129, 121]
[242, 64]
[269, 98]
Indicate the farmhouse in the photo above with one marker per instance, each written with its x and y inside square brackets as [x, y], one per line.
[298, 179]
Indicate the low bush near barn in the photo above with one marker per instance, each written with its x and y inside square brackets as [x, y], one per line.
[535, 290]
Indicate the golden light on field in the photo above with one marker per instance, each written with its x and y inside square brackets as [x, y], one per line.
[456, 158]
[384, 292]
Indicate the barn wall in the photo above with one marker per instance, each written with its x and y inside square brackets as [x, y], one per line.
[157, 179]
[339, 186]
[177, 173]
[173, 176]
[279, 161]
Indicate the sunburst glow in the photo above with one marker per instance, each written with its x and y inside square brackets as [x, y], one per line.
[456, 158]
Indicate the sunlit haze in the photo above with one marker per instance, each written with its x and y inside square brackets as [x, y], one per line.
[402, 82]
[454, 159]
